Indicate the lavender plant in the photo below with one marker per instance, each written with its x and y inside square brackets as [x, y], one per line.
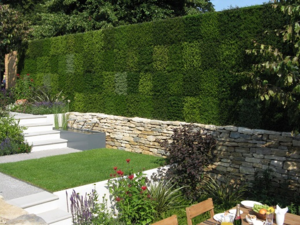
[5, 147]
[87, 210]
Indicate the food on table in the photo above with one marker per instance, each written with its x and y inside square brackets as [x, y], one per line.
[263, 211]
[256, 208]
[270, 210]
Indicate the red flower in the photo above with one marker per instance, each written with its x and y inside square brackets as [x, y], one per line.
[114, 175]
[27, 74]
[118, 199]
[110, 175]
[18, 75]
[31, 80]
[127, 160]
[130, 177]
[148, 196]
[115, 168]
[120, 172]
[144, 188]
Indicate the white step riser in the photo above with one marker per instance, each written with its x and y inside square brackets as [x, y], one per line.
[42, 137]
[44, 207]
[24, 122]
[48, 147]
[38, 129]
[63, 222]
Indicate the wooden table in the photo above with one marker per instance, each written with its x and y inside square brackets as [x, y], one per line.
[290, 219]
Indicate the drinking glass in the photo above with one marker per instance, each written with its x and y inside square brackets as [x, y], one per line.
[269, 219]
[227, 219]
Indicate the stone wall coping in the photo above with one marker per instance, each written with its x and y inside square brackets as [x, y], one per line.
[232, 128]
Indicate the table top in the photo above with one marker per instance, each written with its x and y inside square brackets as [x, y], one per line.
[290, 219]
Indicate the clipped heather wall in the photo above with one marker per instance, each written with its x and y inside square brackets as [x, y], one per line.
[240, 152]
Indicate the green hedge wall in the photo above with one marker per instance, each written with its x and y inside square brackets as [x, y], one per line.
[176, 69]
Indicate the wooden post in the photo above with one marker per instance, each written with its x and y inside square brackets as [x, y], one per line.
[11, 69]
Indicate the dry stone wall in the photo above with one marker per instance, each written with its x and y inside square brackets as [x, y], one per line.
[240, 152]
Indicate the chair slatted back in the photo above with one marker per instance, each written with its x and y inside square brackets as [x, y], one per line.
[172, 220]
[198, 209]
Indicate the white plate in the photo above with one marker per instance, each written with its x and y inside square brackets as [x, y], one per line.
[218, 217]
[233, 211]
[250, 221]
[258, 222]
[249, 204]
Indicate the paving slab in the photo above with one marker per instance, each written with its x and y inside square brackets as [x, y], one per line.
[36, 155]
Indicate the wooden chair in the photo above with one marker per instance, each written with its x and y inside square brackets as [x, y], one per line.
[196, 210]
[172, 220]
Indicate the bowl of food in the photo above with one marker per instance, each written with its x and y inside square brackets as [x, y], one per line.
[262, 210]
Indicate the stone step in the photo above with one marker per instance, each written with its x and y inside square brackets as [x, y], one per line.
[56, 217]
[36, 203]
[48, 144]
[38, 127]
[43, 135]
[24, 120]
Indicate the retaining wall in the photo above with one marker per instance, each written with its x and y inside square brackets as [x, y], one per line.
[240, 152]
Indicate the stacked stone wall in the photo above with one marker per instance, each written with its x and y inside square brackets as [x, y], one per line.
[240, 152]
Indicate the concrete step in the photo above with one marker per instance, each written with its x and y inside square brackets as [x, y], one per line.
[36, 203]
[41, 136]
[29, 119]
[48, 144]
[56, 217]
[38, 127]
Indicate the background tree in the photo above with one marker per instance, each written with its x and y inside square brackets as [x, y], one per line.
[276, 78]
[59, 17]
[14, 30]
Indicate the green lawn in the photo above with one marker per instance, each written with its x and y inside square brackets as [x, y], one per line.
[66, 171]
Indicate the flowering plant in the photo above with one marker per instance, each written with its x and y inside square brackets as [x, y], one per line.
[24, 87]
[87, 209]
[132, 198]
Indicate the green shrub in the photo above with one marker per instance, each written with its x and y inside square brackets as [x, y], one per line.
[24, 87]
[224, 194]
[166, 196]
[11, 138]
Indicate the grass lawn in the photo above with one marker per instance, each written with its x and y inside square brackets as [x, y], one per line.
[66, 171]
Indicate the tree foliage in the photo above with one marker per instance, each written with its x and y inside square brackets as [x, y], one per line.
[14, 30]
[276, 77]
[61, 17]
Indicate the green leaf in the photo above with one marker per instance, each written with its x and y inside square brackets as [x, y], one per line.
[290, 79]
[297, 88]
[266, 97]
